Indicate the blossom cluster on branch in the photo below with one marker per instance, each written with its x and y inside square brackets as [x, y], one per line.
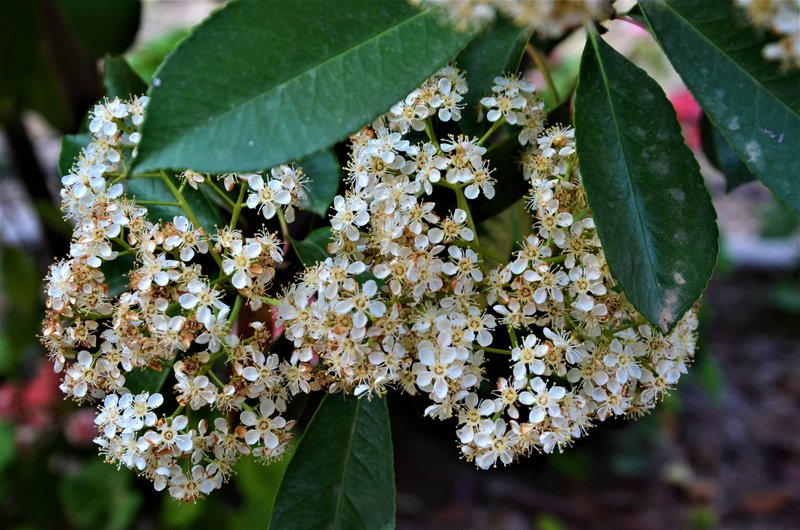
[782, 19]
[546, 18]
[409, 298]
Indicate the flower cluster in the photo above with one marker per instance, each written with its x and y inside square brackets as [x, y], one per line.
[781, 18]
[408, 299]
[548, 18]
[177, 314]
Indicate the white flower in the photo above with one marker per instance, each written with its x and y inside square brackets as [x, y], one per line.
[543, 402]
[527, 358]
[262, 426]
[436, 365]
[351, 213]
[465, 264]
[238, 263]
[169, 435]
[361, 303]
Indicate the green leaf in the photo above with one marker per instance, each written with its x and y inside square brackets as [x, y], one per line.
[146, 380]
[99, 496]
[652, 210]
[116, 273]
[342, 474]
[754, 104]
[102, 26]
[722, 156]
[154, 189]
[8, 446]
[148, 56]
[19, 320]
[324, 172]
[120, 80]
[71, 145]
[19, 31]
[496, 50]
[511, 184]
[313, 248]
[260, 84]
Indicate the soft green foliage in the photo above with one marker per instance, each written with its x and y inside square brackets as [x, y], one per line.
[102, 26]
[120, 80]
[495, 51]
[722, 156]
[314, 247]
[18, 324]
[307, 87]
[342, 474]
[755, 105]
[324, 173]
[99, 496]
[648, 199]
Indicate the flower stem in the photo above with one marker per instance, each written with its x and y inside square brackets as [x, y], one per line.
[284, 226]
[541, 64]
[496, 350]
[431, 136]
[496, 125]
[187, 209]
[219, 192]
[237, 206]
[237, 306]
[158, 203]
[271, 301]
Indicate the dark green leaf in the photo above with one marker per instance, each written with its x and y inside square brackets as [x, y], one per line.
[722, 156]
[256, 85]
[323, 170]
[116, 273]
[754, 104]
[313, 248]
[154, 189]
[146, 380]
[653, 212]
[99, 496]
[510, 186]
[120, 80]
[71, 145]
[495, 51]
[19, 40]
[8, 447]
[148, 56]
[20, 320]
[103, 26]
[342, 474]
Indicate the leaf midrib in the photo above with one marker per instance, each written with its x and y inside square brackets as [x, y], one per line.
[721, 52]
[347, 458]
[217, 116]
[648, 249]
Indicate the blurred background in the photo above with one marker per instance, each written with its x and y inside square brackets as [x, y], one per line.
[722, 452]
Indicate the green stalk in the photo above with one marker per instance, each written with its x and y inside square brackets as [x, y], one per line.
[187, 209]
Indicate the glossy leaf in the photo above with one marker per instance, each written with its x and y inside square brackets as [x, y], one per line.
[71, 146]
[754, 104]
[120, 80]
[146, 380]
[652, 210]
[495, 51]
[511, 184]
[313, 248]
[102, 26]
[256, 85]
[341, 475]
[324, 173]
[722, 156]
